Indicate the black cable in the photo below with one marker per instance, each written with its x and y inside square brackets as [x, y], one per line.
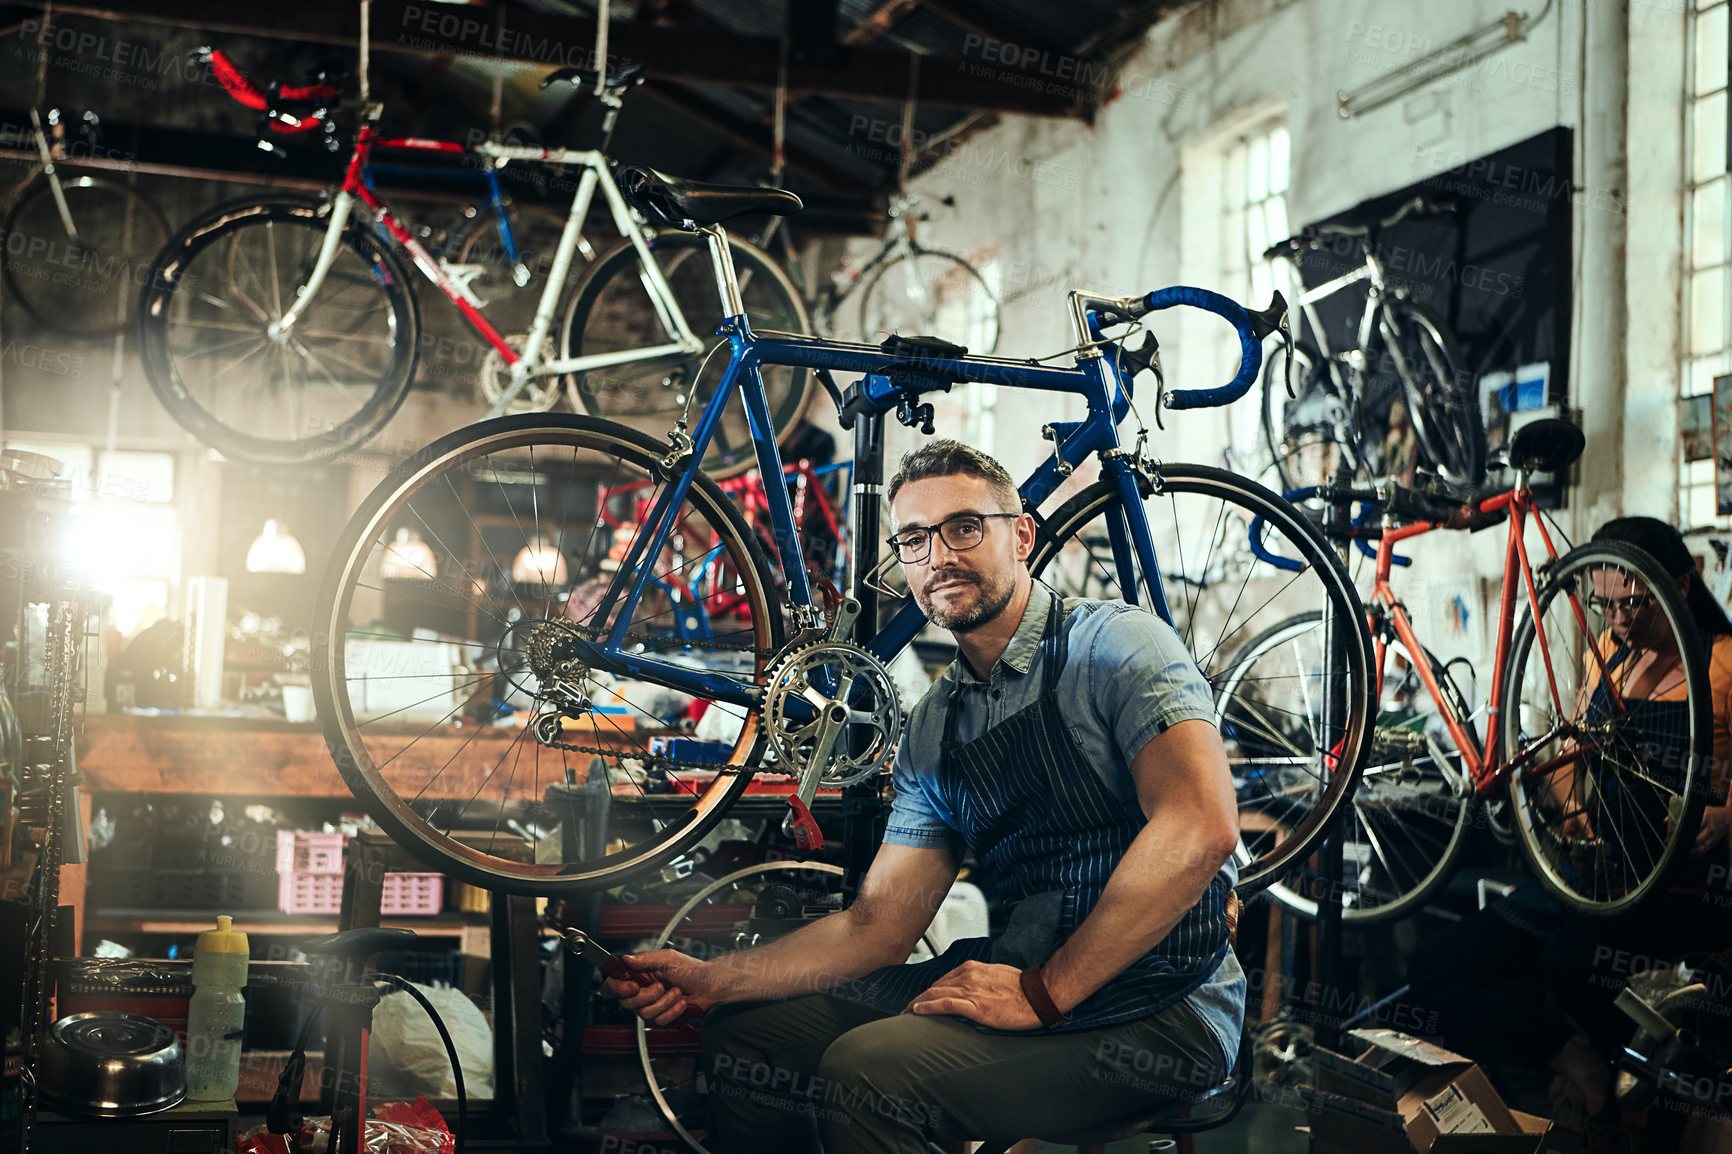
[450, 1051]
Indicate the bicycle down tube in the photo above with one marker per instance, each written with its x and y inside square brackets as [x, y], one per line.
[1483, 765]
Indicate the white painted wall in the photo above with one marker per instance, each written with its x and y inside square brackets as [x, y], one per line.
[1061, 205]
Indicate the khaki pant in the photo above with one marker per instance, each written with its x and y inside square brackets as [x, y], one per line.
[784, 1075]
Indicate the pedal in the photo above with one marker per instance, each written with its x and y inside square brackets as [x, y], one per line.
[807, 836]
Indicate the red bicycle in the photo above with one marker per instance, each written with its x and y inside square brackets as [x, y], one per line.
[1598, 729]
[283, 328]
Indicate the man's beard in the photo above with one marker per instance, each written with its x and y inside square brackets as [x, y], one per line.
[988, 605]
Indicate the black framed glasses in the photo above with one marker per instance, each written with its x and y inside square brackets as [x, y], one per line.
[1626, 606]
[961, 532]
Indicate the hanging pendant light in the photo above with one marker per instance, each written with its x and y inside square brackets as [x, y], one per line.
[539, 563]
[408, 557]
[275, 550]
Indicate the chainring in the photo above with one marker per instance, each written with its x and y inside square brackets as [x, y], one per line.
[873, 704]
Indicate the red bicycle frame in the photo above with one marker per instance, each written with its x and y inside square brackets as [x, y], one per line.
[1483, 765]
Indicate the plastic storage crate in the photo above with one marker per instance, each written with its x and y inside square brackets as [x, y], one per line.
[310, 852]
[405, 895]
[411, 895]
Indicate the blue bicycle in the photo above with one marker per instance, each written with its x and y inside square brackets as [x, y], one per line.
[487, 567]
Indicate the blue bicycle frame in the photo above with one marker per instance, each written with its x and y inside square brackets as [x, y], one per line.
[895, 379]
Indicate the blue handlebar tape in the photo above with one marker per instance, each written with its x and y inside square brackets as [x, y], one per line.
[1250, 349]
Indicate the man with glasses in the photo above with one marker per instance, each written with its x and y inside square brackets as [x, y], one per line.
[1071, 749]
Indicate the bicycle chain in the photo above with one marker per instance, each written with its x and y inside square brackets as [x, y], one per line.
[661, 760]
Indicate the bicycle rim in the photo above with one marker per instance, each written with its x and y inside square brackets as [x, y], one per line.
[1607, 793]
[525, 522]
[1410, 814]
[332, 382]
[612, 312]
[924, 293]
[88, 287]
[672, 1079]
[1441, 404]
[1293, 773]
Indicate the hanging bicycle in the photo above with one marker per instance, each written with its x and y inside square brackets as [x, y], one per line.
[1335, 410]
[283, 328]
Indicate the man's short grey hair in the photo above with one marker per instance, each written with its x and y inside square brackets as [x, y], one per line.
[947, 458]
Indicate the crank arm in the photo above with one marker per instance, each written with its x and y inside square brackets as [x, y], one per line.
[799, 823]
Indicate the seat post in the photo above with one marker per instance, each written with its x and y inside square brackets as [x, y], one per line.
[722, 260]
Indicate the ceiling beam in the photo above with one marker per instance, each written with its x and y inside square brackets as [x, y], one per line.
[747, 133]
[416, 26]
[880, 22]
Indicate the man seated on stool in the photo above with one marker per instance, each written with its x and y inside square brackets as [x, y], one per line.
[1072, 748]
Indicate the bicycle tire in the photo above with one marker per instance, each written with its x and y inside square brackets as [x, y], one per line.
[181, 297]
[510, 307]
[1301, 433]
[652, 1078]
[1650, 800]
[649, 396]
[954, 301]
[1408, 823]
[459, 484]
[100, 304]
[1441, 402]
[1212, 637]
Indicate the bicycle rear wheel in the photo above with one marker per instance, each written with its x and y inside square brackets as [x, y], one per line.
[86, 287]
[1293, 771]
[613, 312]
[1308, 435]
[926, 293]
[425, 647]
[1413, 807]
[325, 386]
[1608, 723]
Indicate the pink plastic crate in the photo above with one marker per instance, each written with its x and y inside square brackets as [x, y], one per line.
[408, 895]
[310, 852]
[304, 893]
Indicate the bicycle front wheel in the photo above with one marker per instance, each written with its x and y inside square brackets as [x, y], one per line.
[217, 362]
[452, 689]
[1411, 813]
[83, 282]
[613, 312]
[926, 293]
[1607, 726]
[1441, 402]
[1293, 768]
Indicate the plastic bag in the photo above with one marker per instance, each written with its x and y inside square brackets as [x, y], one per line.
[406, 1057]
[397, 1128]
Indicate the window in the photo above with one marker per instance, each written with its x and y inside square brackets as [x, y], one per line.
[124, 528]
[1235, 206]
[1707, 258]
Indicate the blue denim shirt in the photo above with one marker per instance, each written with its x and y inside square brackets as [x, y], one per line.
[1128, 680]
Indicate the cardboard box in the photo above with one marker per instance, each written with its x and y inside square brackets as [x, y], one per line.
[1391, 1093]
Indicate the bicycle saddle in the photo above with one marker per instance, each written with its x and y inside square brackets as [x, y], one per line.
[1546, 446]
[618, 75]
[357, 945]
[686, 203]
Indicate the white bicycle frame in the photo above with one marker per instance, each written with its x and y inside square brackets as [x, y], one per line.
[451, 279]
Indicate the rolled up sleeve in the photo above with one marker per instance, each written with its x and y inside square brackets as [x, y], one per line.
[915, 818]
[1143, 681]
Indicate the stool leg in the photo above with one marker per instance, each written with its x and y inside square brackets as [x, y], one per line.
[1184, 1144]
